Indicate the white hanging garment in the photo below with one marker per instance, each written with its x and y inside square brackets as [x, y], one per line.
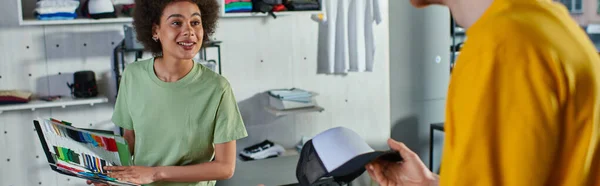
[333, 52]
[373, 14]
[346, 40]
[341, 38]
[326, 41]
[356, 35]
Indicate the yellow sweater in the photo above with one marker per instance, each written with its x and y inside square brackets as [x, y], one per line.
[524, 101]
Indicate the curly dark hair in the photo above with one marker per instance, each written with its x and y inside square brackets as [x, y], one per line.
[148, 12]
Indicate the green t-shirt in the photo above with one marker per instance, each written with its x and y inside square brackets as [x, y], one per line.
[177, 123]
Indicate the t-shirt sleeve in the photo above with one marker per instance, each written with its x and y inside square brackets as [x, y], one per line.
[507, 129]
[121, 115]
[229, 125]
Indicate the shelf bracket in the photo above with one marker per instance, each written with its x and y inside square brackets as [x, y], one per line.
[63, 106]
[32, 109]
[92, 104]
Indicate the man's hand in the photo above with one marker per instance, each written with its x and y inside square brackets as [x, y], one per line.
[409, 172]
[133, 174]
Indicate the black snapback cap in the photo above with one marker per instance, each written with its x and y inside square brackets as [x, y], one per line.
[339, 153]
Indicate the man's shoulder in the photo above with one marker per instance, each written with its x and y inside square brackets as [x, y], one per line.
[551, 35]
[508, 29]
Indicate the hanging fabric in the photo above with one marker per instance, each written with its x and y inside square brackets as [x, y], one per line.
[346, 37]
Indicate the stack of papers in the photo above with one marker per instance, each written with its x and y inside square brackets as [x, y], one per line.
[294, 98]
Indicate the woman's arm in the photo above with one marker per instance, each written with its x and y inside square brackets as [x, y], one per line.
[220, 169]
[129, 136]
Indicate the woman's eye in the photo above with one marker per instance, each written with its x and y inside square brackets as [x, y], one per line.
[176, 23]
[195, 23]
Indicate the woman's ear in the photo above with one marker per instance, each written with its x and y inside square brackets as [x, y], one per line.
[155, 32]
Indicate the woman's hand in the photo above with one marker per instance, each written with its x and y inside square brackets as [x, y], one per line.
[133, 174]
[96, 183]
[409, 172]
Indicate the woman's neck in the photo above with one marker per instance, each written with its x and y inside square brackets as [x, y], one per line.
[169, 69]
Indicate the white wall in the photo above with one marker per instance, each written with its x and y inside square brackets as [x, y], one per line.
[258, 54]
[418, 84]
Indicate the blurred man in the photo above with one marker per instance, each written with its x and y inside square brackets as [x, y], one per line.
[523, 103]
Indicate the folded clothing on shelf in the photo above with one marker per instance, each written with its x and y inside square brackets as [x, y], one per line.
[296, 5]
[236, 1]
[263, 150]
[14, 96]
[56, 9]
[238, 6]
[281, 104]
[99, 9]
[294, 98]
[293, 94]
[57, 16]
[127, 10]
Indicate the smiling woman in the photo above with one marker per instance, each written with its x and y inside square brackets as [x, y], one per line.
[181, 119]
[152, 14]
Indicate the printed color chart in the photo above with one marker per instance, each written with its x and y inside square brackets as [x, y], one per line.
[80, 152]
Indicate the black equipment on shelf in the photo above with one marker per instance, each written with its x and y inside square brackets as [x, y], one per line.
[84, 84]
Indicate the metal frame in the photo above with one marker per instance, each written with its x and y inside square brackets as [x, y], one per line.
[453, 47]
[572, 8]
[432, 128]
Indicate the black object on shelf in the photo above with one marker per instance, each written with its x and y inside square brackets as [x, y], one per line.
[84, 84]
[432, 128]
[263, 150]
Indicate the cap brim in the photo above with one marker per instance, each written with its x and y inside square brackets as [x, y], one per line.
[356, 166]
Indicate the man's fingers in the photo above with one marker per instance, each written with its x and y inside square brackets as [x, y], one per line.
[404, 151]
[371, 172]
[375, 170]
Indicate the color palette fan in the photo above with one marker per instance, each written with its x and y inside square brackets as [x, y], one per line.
[82, 152]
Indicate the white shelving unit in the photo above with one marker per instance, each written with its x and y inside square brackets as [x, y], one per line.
[277, 112]
[63, 102]
[26, 18]
[25, 9]
[258, 14]
[273, 171]
[286, 153]
[34, 22]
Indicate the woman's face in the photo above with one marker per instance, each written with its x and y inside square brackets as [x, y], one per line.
[180, 31]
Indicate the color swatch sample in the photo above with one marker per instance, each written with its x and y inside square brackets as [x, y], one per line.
[82, 152]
